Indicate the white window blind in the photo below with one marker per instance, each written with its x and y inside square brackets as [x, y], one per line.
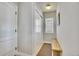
[49, 25]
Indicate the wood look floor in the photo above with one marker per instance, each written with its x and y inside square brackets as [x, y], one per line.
[46, 50]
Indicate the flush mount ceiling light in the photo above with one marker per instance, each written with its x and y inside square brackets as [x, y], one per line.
[48, 6]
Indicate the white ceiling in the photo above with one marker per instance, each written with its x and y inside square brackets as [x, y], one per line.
[42, 5]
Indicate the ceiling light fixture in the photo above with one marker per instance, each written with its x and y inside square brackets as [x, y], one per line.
[48, 6]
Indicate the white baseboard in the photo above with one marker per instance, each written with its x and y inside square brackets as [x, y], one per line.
[36, 51]
[47, 42]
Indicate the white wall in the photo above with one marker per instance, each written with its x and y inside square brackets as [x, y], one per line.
[25, 28]
[68, 31]
[28, 41]
[48, 37]
[37, 37]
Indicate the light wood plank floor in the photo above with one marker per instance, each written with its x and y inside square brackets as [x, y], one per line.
[46, 50]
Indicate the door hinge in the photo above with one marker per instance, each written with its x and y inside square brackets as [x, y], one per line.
[15, 12]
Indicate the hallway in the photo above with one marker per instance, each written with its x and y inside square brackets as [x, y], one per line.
[27, 28]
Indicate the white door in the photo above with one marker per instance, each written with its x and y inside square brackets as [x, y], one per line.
[8, 25]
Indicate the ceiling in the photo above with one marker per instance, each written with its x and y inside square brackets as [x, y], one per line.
[42, 5]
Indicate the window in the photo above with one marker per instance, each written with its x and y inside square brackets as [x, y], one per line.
[49, 25]
[37, 26]
[37, 22]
